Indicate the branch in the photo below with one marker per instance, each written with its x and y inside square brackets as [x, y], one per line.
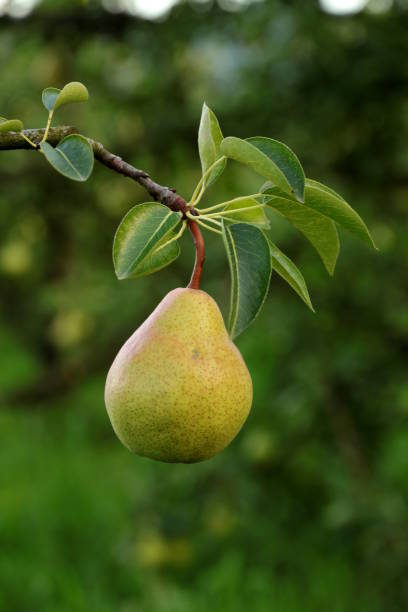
[165, 195]
[10, 141]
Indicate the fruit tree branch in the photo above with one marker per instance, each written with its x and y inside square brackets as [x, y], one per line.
[165, 195]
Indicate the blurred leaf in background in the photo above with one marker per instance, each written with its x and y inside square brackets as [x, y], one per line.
[307, 510]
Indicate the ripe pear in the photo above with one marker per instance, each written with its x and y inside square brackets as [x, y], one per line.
[179, 390]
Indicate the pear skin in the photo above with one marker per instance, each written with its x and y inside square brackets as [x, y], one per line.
[179, 390]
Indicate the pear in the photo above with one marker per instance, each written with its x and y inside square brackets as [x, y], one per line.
[179, 390]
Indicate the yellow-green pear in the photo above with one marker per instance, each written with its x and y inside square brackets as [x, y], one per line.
[179, 390]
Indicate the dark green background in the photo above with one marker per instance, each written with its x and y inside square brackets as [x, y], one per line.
[307, 510]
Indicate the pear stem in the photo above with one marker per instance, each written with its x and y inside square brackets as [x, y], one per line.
[200, 255]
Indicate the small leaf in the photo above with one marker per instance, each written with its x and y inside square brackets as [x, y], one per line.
[250, 265]
[53, 98]
[286, 161]
[254, 217]
[209, 138]
[290, 273]
[218, 168]
[49, 97]
[318, 229]
[327, 202]
[73, 157]
[10, 125]
[72, 92]
[246, 153]
[140, 234]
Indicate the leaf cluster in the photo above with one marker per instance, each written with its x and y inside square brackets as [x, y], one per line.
[147, 238]
[312, 208]
[73, 156]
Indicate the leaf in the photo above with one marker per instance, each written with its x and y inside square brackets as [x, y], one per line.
[286, 161]
[72, 92]
[216, 172]
[248, 154]
[318, 229]
[10, 125]
[141, 232]
[312, 183]
[159, 257]
[290, 273]
[209, 138]
[49, 97]
[73, 157]
[250, 265]
[254, 217]
[53, 98]
[327, 202]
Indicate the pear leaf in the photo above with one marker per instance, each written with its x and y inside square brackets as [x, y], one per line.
[72, 92]
[160, 257]
[216, 171]
[10, 125]
[256, 216]
[209, 138]
[327, 202]
[73, 157]
[49, 97]
[285, 159]
[311, 183]
[53, 98]
[245, 152]
[290, 273]
[317, 228]
[250, 265]
[141, 233]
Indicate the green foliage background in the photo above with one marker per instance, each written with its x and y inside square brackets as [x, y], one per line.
[307, 510]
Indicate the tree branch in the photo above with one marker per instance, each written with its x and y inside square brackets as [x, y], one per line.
[10, 141]
[165, 195]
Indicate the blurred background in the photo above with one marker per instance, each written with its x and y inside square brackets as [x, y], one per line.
[307, 509]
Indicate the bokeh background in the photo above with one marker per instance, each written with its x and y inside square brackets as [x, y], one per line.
[307, 509]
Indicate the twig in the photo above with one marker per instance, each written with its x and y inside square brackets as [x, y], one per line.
[165, 195]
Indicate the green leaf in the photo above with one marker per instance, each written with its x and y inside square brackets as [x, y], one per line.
[72, 92]
[318, 229]
[216, 171]
[290, 273]
[53, 98]
[159, 257]
[248, 154]
[254, 217]
[49, 97]
[312, 183]
[141, 232]
[250, 265]
[10, 125]
[286, 161]
[209, 138]
[327, 202]
[73, 157]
